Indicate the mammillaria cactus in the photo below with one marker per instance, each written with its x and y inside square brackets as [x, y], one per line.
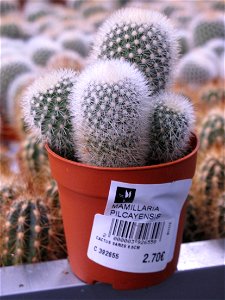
[143, 37]
[11, 69]
[45, 108]
[111, 115]
[211, 95]
[196, 68]
[7, 6]
[205, 28]
[210, 186]
[212, 129]
[12, 28]
[29, 233]
[66, 60]
[172, 123]
[42, 49]
[33, 162]
[216, 45]
[76, 41]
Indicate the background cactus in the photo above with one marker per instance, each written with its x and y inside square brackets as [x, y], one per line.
[212, 130]
[10, 70]
[29, 233]
[143, 37]
[212, 95]
[13, 29]
[7, 6]
[33, 162]
[211, 178]
[76, 41]
[66, 60]
[41, 50]
[171, 126]
[196, 69]
[111, 115]
[206, 28]
[45, 107]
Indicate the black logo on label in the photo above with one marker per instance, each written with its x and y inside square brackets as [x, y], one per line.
[124, 195]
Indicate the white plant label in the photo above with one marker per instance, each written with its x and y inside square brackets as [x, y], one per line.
[138, 230]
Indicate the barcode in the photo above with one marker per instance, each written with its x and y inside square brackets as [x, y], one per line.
[136, 230]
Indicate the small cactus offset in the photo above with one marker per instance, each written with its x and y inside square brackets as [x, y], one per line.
[111, 115]
[206, 28]
[45, 110]
[171, 126]
[143, 37]
[212, 130]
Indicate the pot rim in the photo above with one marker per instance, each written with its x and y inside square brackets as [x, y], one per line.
[82, 165]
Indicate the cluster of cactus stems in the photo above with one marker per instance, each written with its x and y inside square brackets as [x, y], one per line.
[115, 111]
[212, 95]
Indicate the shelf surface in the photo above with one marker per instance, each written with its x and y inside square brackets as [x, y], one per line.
[200, 275]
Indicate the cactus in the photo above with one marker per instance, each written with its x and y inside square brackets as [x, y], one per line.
[192, 229]
[10, 189]
[76, 41]
[45, 110]
[183, 40]
[196, 69]
[33, 161]
[205, 29]
[221, 215]
[66, 59]
[212, 130]
[212, 95]
[41, 50]
[143, 37]
[13, 29]
[14, 97]
[216, 45]
[171, 125]
[10, 70]
[29, 233]
[36, 10]
[211, 178]
[7, 6]
[111, 115]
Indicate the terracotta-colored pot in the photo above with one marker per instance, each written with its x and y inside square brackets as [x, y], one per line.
[83, 192]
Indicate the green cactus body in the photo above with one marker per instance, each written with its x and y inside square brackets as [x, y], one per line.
[212, 178]
[25, 234]
[206, 29]
[212, 130]
[171, 124]
[110, 123]
[45, 108]
[142, 37]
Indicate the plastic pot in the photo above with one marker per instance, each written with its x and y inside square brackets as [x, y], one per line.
[84, 192]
